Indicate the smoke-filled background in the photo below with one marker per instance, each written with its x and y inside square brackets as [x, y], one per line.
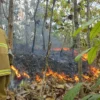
[62, 23]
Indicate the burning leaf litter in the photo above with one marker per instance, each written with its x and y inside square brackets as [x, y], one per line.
[54, 87]
[18, 74]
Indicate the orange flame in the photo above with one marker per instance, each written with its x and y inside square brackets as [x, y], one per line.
[59, 49]
[38, 79]
[76, 78]
[58, 76]
[86, 77]
[16, 71]
[18, 74]
[94, 71]
[26, 75]
[85, 57]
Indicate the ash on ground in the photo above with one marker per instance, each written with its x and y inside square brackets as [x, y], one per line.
[35, 63]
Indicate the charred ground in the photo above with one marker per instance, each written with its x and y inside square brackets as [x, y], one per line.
[35, 63]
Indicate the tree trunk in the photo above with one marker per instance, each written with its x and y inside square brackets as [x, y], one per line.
[10, 24]
[48, 51]
[51, 22]
[45, 17]
[88, 32]
[75, 23]
[77, 40]
[78, 44]
[35, 25]
[49, 40]
[26, 24]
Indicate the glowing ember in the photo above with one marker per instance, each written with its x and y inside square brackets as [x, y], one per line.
[16, 71]
[38, 79]
[95, 71]
[66, 49]
[76, 78]
[85, 57]
[86, 77]
[59, 49]
[26, 75]
[49, 72]
[61, 76]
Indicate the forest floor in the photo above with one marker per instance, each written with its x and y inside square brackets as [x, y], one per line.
[60, 77]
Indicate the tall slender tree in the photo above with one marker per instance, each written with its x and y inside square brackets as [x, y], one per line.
[76, 24]
[36, 9]
[77, 39]
[45, 17]
[88, 16]
[49, 39]
[26, 24]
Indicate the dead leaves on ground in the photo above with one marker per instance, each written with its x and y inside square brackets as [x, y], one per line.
[52, 89]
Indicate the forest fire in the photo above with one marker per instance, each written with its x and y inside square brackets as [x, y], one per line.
[94, 74]
[59, 49]
[18, 74]
[16, 71]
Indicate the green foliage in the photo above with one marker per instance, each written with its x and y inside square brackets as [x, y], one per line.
[92, 97]
[91, 21]
[71, 94]
[96, 47]
[77, 31]
[63, 3]
[92, 54]
[95, 30]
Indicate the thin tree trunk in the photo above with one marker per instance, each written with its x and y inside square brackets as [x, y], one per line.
[49, 40]
[75, 40]
[72, 44]
[35, 25]
[88, 33]
[78, 39]
[48, 51]
[51, 23]
[45, 17]
[26, 25]
[75, 21]
[80, 72]
[10, 24]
